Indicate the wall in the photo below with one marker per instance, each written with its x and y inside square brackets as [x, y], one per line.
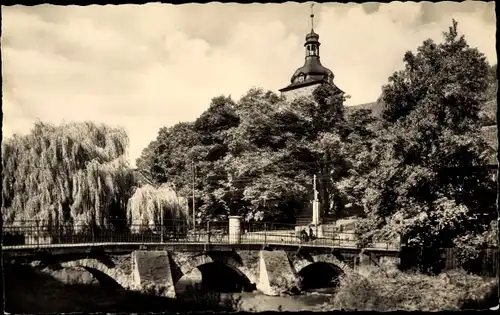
[304, 91]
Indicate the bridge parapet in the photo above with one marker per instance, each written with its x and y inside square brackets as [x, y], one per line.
[23, 236]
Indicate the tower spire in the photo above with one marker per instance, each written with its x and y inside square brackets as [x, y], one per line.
[312, 16]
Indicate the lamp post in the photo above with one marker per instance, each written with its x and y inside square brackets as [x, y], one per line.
[194, 206]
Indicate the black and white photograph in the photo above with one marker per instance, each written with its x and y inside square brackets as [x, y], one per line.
[250, 157]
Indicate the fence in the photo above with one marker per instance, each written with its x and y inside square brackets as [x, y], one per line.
[31, 233]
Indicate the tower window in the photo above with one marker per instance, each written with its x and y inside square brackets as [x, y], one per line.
[311, 50]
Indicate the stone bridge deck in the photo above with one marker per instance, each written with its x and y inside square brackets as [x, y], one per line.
[33, 251]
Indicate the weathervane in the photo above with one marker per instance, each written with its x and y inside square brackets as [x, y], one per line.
[312, 16]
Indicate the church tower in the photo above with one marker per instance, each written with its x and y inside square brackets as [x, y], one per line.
[312, 73]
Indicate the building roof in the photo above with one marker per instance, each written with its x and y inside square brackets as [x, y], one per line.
[312, 72]
[375, 107]
[297, 85]
[312, 37]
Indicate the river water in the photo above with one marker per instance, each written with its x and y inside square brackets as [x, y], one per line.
[318, 300]
[75, 290]
[191, 286]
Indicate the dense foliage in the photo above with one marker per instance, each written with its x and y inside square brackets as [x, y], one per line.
[430, 185]
[255, 157]
[75, 177]
[70, 174]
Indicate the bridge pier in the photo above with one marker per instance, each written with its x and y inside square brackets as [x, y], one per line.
[275, 273]
[152, 269]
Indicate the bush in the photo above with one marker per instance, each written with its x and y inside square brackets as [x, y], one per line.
[453, 290]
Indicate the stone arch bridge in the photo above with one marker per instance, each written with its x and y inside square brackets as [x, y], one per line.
[270, 271]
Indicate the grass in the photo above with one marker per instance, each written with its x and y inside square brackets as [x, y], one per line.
[391, 290]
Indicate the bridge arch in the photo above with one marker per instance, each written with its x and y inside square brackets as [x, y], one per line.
[231, 259]
[218, 263]
[332, 259]
[319, 275]
[223, 277]
[315, 271]
[101, 272]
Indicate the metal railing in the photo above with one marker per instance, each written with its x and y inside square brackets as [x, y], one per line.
[30, 234]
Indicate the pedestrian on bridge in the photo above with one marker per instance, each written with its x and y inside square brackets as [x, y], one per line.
[311, 234]
[303, 235]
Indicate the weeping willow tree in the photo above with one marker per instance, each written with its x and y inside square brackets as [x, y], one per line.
[149, 206]
[73, 175]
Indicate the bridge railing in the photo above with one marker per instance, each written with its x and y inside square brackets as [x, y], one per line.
[36, 234]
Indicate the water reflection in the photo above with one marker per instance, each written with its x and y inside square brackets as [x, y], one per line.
[319, 281]
[223, 278]
[212, 278]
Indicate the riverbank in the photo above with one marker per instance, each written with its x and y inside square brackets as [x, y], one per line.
[392, 290]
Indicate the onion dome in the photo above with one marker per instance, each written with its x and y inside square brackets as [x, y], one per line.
[312, 72]
[311, 37]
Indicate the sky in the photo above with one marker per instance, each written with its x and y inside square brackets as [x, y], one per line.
[143, 67]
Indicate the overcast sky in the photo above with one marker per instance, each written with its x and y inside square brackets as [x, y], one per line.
[147, 66]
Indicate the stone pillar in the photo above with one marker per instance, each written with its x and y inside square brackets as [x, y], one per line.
[315, 218]
[235, 229]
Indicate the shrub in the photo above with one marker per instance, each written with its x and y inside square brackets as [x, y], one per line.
[376, 291]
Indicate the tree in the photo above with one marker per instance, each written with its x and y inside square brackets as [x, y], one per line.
[428, 184]
[150, 207]
[255, 157]
[74, 174]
